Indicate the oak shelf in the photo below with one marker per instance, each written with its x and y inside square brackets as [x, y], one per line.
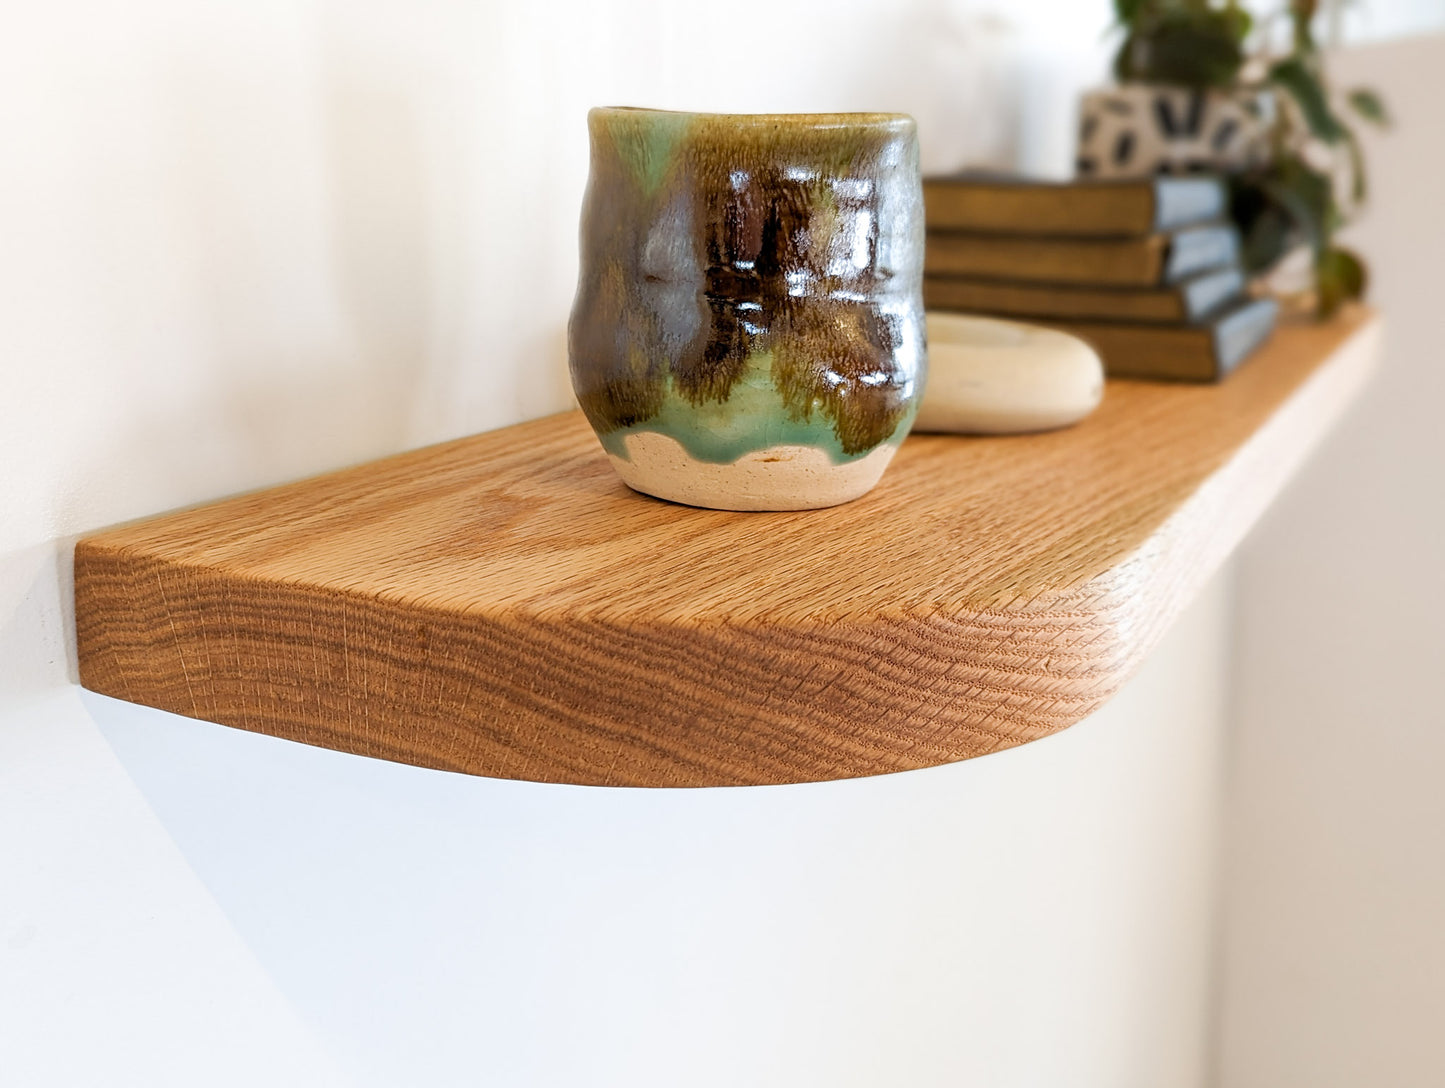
[502, 605]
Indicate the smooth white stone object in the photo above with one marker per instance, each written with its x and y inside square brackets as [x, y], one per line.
[987, 376]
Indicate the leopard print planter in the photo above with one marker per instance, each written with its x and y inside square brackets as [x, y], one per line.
[1143, 129]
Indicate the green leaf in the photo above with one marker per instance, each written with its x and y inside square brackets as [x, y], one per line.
[1306, 196]
[1352, 270]
[1370, 106]
[1340, 276]
[1268, 239]
[1126, 11]
[1240, 22]
[1359, 188]
[1266, 230]
[1296, 78]
[1124, 67]
[1302, 16]
[1185, 48]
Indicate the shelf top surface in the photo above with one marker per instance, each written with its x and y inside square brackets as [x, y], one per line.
[531, 519]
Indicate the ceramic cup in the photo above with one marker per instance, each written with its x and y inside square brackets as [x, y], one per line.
[748, 328]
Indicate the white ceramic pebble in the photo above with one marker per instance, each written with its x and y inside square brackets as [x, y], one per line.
[987, 376]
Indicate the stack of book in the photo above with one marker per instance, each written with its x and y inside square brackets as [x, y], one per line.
[1147, 271]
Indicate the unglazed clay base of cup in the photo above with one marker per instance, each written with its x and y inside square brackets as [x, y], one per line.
[987, 376]
[777, 478]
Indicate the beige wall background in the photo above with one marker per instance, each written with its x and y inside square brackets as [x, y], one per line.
[1335, 888]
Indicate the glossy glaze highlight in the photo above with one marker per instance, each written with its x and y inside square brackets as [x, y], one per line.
[750, 282]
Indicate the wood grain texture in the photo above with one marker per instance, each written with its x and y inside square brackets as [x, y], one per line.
[502, 605]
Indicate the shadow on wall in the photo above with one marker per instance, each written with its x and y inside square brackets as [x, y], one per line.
[37, 639]
[440, 929]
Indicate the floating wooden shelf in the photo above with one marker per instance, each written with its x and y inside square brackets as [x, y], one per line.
[502, 605]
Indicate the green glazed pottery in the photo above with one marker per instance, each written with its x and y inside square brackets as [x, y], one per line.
[748, 328]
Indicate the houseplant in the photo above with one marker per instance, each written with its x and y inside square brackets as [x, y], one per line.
[1180, 105]
[1304, 173]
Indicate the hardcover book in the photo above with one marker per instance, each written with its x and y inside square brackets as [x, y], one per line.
[989, 203]
[1187, 300]
[1119, 262]
[1202, 352]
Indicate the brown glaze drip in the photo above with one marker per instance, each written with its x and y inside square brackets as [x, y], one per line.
[707, 241]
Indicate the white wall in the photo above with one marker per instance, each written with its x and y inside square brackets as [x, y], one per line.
[1335, 957]
[1383, 20]
[247, 242]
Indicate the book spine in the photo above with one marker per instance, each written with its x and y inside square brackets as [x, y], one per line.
[1208, 292]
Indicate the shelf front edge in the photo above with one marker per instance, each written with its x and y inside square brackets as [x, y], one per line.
[598, 700]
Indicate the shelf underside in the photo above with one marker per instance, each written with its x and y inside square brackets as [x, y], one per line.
[503, 605]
